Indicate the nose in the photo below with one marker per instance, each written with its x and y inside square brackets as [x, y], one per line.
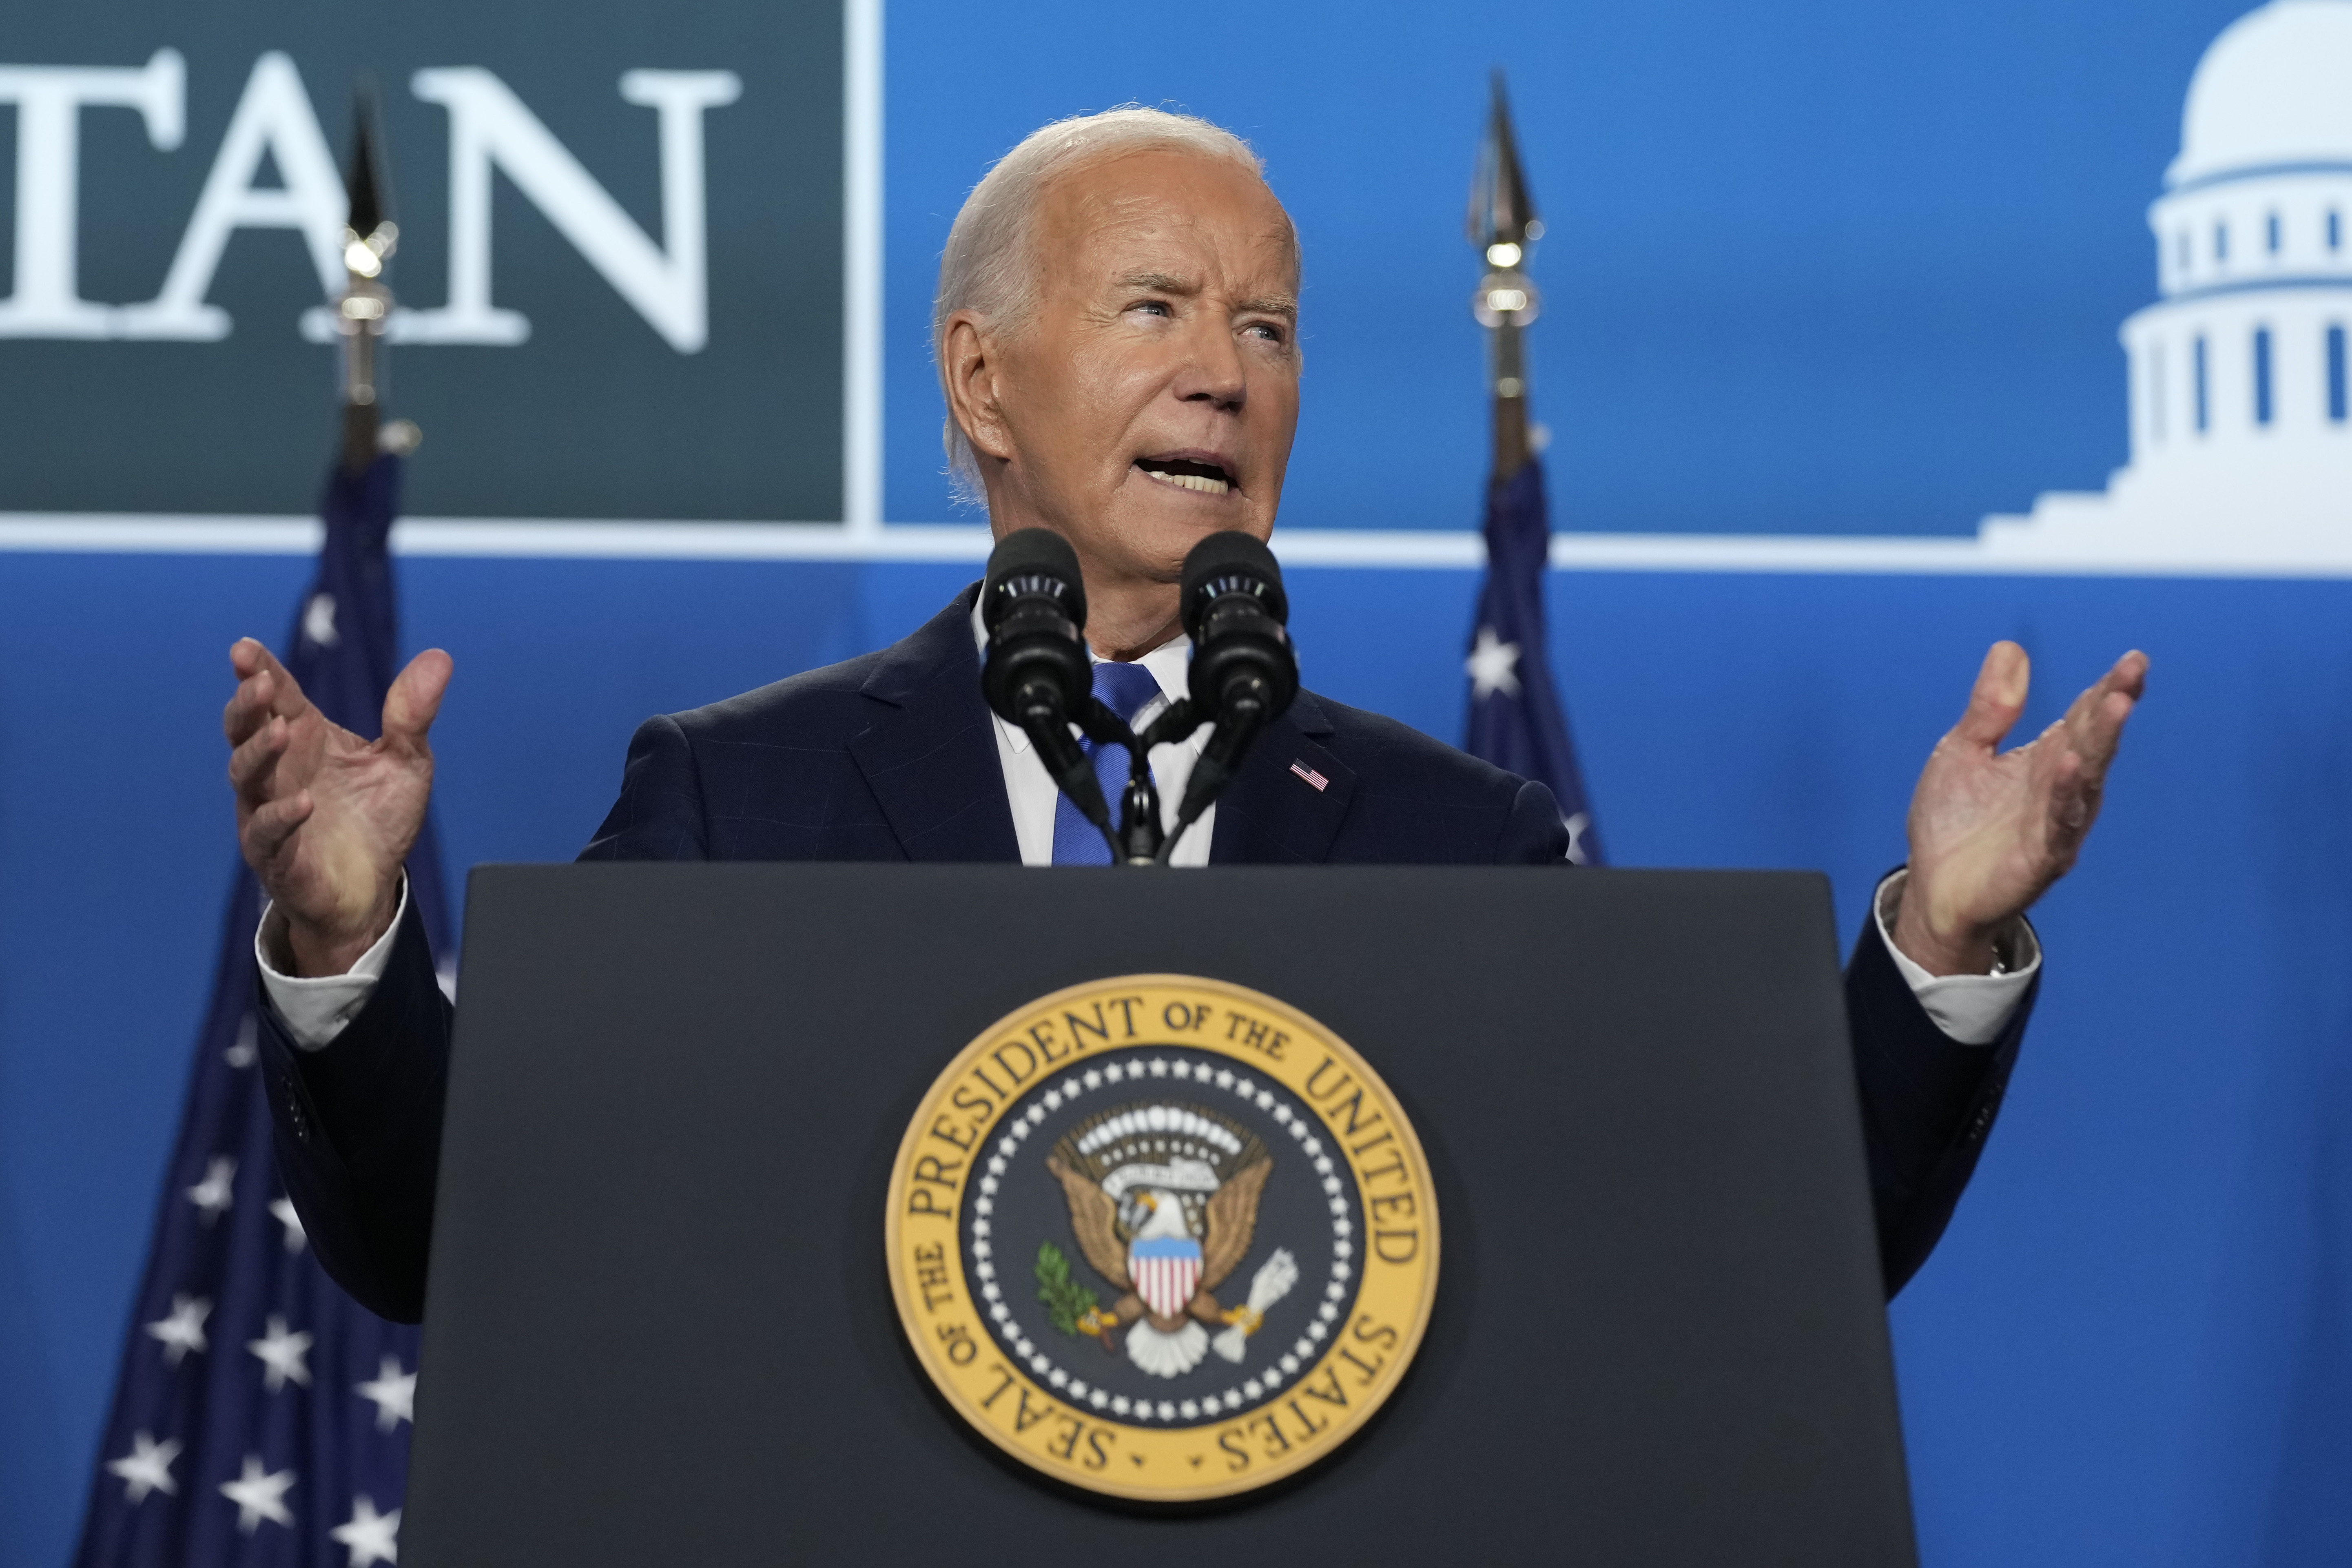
[1213, 371]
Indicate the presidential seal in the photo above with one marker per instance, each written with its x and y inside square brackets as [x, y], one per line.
[1163, 1237]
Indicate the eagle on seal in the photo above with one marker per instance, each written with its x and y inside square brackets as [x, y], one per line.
[1163, 1201]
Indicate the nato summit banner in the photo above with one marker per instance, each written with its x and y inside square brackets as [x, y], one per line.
[619, 271]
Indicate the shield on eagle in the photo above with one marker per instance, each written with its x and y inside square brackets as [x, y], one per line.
[1165, 1270]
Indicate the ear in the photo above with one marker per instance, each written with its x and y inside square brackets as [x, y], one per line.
[969, 357]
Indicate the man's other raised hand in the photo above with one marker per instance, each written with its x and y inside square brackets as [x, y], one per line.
[326, 819]
[1990, 829]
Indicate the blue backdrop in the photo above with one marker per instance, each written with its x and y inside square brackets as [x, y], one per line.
[1829, 268]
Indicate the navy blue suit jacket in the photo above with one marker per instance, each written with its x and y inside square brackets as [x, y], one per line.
[893, 756]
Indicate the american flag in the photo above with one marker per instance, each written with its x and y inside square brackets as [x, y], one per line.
[260, 1415]
[1516, 721]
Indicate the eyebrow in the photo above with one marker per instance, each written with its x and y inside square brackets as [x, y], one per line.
[1282, 305]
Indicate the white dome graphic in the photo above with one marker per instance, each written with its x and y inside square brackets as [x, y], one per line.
[2271, 90]
[2241, 410]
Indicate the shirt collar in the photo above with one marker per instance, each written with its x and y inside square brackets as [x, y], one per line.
[1171, 665]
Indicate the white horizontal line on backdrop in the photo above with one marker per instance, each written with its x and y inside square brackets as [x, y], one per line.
[172, 534]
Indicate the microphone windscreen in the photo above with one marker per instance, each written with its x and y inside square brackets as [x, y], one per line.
[1225, 561]
[1033, 560]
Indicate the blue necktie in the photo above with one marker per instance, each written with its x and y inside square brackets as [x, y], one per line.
[1127, 690]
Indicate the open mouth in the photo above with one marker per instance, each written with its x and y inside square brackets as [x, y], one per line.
[1188, 474]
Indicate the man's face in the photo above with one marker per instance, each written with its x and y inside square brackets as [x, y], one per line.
[1153, 394]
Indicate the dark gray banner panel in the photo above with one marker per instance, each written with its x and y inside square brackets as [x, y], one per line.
[619, 269]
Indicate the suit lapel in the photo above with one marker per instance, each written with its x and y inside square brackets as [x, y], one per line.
[929, 755]
[1272, 812]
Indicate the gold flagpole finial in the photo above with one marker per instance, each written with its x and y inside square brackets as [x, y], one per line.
[364, 308]
[1504, 226]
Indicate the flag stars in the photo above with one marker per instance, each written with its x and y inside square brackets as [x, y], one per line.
[259, 1495]
[283, 1210]
[1578, 824]
[371, 1537]
[282, 1356]
[184, 1330]
[216, 1192]
[395, 1393]
[147, 1468]
[246, 1049]
[319, 620]
[1494, 666]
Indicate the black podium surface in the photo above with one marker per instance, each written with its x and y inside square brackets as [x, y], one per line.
[659, 1328]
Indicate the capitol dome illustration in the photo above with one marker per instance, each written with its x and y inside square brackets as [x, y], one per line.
[2241, 431]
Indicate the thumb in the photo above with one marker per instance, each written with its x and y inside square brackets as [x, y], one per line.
[414, 698]
[1997, 698]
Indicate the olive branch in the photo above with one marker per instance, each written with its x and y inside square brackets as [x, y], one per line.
[1066, 1299]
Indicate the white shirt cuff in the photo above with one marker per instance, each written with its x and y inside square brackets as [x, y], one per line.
[1972, 1008]
[315, 1011]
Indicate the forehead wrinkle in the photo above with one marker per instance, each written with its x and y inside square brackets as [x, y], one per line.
[1079, 217]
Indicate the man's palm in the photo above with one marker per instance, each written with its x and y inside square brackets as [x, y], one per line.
[1992, 830]
[325, 818]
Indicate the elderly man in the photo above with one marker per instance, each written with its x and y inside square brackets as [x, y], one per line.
[1117, 338]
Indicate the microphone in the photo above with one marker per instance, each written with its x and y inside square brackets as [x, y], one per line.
[1033, 605]
[1244, 671]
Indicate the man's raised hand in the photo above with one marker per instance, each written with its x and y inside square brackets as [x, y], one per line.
[1992, 830]
[325, 818]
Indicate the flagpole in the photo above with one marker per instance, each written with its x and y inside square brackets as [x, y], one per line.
[1515, 721]
[363, 311]
[1504, 226]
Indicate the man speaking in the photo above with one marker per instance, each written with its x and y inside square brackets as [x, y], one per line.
[1117, 336]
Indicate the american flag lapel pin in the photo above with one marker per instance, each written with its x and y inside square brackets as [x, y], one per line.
[1311, 776]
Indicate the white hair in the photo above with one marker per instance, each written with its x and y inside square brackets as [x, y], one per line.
[987, 267]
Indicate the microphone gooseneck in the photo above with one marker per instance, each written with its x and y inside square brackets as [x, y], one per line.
[1033, 605]
[1244, 671]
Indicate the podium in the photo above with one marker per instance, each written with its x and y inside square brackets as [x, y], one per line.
[660, 1322]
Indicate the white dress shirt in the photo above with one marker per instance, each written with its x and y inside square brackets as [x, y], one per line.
[1970, 1009]
[1035, 797]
